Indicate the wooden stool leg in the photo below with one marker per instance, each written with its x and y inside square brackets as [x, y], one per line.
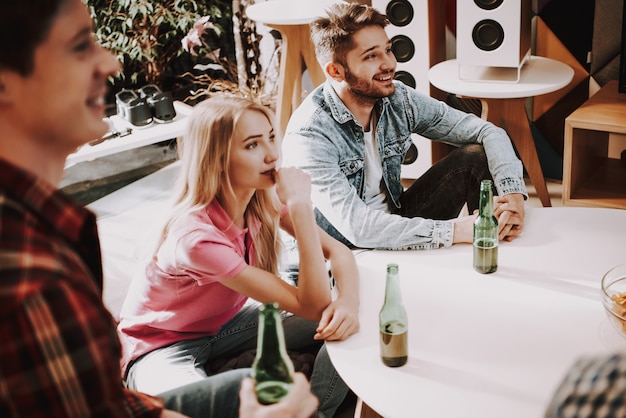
[510, 114]
[308, 55]
[290, 65]
[290, 77]
[297, 51]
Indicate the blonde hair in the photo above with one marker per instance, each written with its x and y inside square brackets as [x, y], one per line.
[205, 159]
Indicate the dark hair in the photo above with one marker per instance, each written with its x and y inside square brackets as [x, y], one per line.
[332, 34]
[24, 25]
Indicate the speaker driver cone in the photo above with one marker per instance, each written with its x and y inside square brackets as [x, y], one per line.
[488, 35]
[488, 4]
[406, 78]
[402, 47]
[399, 12]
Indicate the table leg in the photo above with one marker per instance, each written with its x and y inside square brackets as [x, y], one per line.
[362, 410]
[510, 114]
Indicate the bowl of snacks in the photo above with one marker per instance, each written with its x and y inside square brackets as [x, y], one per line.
[614, 297]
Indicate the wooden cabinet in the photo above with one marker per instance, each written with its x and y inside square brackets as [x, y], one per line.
[590, 177]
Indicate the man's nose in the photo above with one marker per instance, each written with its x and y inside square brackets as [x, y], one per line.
[389, 62]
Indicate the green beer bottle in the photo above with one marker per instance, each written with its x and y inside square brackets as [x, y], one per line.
[486, 232]
[394, 349]
[272, 369]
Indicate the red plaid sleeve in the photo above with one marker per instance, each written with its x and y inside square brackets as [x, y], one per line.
[69, 362]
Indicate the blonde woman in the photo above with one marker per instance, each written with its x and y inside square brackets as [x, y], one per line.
[217, 259]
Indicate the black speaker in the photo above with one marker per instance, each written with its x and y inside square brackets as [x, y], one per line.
[622, 58]
[493, 33]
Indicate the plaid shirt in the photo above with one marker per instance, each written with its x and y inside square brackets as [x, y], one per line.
[593, 387]
[59, 352]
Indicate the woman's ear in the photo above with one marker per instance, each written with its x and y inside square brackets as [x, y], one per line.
[335, 71]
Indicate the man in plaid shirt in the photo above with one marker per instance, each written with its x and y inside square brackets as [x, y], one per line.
[59, 352]
[594, 387]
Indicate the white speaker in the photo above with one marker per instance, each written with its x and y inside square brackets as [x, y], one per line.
[408, 31]
[413, 33]
[493, 33]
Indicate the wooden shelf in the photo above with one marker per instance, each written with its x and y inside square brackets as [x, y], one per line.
[590, 177]
[151, 134]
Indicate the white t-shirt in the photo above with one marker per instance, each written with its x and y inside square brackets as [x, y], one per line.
[374, 196]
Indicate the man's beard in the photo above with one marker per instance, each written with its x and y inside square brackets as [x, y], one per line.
[363, 90]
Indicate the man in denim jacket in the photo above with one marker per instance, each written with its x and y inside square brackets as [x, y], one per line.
[352, 133]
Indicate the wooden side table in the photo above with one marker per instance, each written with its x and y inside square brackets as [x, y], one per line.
[147, 135]
[291, 18]
[504, 102]
[590, 177]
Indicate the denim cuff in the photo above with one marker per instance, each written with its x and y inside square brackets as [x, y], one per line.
[442, 233]
[511, 185]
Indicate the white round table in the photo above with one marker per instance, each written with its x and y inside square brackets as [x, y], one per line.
[287, 12]
[504, 102]
[493, 345]
[539, 75]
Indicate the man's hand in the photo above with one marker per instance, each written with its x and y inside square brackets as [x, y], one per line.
[339, 320]
[509, 210]
[299, 403]
[464, 229]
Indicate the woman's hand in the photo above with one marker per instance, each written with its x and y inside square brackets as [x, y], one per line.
[293, 186]
[339, 320]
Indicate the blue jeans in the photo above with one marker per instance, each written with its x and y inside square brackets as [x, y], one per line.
[215, 396]
[183, 363]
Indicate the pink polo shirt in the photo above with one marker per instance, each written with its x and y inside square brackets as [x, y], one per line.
[181, 296]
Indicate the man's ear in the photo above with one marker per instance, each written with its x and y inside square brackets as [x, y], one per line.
[335, 71]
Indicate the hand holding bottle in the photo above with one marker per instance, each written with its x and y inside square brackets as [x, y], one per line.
[508, 209]
[300, 402]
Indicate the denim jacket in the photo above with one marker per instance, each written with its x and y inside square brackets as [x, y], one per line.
[324, 139]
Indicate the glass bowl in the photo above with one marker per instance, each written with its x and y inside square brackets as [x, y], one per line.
[614, 297]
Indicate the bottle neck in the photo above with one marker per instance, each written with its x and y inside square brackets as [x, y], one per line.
[392, 289]
[268, 332]
[485, 203]
[271, 337]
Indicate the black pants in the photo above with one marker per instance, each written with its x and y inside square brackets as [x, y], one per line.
[447, 186]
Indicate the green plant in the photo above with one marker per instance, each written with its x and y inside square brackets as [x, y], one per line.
[146, 35]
